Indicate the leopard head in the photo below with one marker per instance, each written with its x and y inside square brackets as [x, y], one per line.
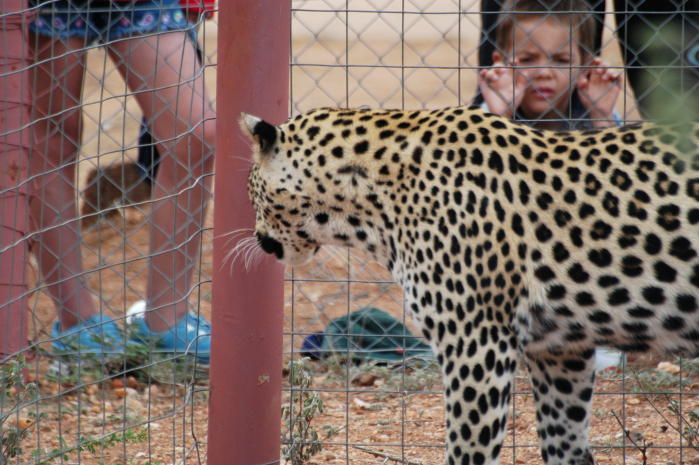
[304, 194]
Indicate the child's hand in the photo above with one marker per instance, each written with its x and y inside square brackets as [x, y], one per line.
[598, 88]
[502, 88]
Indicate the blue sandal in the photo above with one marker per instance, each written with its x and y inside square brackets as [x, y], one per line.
[190, 335]
[98, 336]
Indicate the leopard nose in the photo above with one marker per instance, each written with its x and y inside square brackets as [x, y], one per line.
[270, 245]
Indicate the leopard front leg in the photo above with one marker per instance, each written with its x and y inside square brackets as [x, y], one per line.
[478, 371]
[478, 361]
[562, 383]
[468, 322]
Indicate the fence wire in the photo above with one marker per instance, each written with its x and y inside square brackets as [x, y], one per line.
[425, 54]
[61, 402]
[147, 407]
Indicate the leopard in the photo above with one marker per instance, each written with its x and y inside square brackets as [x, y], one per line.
[512, 245]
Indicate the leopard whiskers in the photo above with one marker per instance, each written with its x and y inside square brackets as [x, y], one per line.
[246, 249]
[247, 160]
[253, 254]
[234, 232]
[234, 252]
[232, 235]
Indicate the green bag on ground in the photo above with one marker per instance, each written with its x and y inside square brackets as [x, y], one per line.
[372, 334]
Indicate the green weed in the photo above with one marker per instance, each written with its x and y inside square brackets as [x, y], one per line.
[301, 439]
[15, 394]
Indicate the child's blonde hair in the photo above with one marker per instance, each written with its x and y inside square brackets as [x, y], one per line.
[574, 12]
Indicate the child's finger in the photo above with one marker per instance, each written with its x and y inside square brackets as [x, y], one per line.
[490, 75]
[596, 66]
[612, 76]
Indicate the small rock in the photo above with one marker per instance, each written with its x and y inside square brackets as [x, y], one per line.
[361, 403]
[636, 436]
[669, 367]
[132, 382]
[365, 379]
[152, 391]
[24, 423]
[125, 392]
[133, 404]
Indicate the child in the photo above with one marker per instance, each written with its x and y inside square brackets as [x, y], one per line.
[543, 70]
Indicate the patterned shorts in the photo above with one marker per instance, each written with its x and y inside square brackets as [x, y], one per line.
[104, 20]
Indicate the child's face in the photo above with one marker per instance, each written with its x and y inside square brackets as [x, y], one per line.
[550, 58]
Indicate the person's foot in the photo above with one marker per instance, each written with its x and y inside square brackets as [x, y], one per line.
[98, 336]
[190, 335]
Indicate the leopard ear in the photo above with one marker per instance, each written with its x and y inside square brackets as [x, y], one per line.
[259, 131]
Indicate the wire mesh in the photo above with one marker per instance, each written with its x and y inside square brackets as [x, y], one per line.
[425, 54]
[60, 402]
[148, 408]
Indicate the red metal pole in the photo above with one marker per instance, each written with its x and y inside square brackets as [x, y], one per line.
[252, 77]
[14, 147]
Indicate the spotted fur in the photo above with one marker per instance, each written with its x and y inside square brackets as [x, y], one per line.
[505, 239]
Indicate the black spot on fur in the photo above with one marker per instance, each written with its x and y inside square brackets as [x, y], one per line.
[664, 272]
[686, 303]
[619, 296]
[668, 217]
[361, 147]
[653, 295]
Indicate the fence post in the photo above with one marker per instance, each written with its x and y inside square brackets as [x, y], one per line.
[14, 147]
[247, 319]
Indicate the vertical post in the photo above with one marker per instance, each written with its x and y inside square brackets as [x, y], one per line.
[14, 147]
[252, 77]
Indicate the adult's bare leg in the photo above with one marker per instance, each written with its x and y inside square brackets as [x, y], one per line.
[168, 82]
[57, 86]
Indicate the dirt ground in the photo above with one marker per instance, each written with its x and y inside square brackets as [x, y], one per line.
[382, 421]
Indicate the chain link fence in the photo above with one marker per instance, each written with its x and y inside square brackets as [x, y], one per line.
[356, 402]
[62, 400]
[425, 54]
